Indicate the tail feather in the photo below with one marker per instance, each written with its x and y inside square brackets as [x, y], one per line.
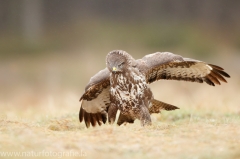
[157, 106]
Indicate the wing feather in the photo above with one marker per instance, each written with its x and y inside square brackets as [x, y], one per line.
[96, 99]
[99, 119]
[93, 119]
[169, 66]
[81, 114]
[87, 119]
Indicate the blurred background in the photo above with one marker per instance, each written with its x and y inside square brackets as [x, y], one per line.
[50, 49]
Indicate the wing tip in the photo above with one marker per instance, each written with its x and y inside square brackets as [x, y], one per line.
[92, 119]
[216, 67]
[219, 70]
[216, 75]
[81, 114]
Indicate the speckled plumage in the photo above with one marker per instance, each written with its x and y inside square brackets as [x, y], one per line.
[123, 86]
[130, 93]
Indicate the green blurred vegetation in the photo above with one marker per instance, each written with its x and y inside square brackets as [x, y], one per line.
[98, 34]
[36, 28]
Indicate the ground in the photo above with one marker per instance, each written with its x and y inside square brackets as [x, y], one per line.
[41, 124]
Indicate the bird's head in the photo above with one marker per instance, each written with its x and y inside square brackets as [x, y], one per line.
[118, 61]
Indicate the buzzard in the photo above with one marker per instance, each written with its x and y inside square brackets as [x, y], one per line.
[123, 86]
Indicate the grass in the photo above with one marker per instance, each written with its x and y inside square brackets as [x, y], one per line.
[187, 137]
[39, 114]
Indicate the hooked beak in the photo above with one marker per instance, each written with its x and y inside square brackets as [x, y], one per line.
[114, 69]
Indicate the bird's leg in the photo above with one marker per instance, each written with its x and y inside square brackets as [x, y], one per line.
[112, 112]
[145, 117]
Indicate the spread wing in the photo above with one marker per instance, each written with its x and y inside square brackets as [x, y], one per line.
[166, 65]
[96, 99]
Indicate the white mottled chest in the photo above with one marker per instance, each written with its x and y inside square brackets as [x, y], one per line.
[127, 88]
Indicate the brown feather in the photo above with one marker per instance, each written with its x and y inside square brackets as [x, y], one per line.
[223, 73]
[81, 114]
[213, 79]
[93, 119]
[218, 76]
[216, 67]
[99, 119]
[104, 118]
[158, 105]
[87, 119]
[199, 80]
[170, 66]
[96, 85]
[208, 81]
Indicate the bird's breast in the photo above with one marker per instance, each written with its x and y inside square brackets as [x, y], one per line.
[128, 90]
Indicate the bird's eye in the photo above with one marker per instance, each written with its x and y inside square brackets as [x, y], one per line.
[121, 64]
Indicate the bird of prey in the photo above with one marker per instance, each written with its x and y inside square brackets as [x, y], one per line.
[123, 86]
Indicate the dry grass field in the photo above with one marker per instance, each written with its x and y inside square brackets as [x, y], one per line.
[39, 116]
